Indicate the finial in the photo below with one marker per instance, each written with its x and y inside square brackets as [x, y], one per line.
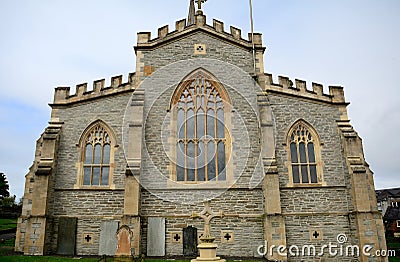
[199, 2]
[191, 20]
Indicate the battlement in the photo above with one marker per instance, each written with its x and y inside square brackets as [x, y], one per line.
[181, 27]
[299, 88]
[62, 94]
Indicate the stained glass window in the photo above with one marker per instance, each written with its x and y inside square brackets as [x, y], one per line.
[201, 140]
[302, 155]
[97, 155]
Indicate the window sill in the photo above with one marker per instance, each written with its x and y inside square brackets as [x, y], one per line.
[95, 188]
[200, 185]
[293, 185]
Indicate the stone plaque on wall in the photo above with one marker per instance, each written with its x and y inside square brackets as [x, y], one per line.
[108, 240]
[66, 236]
[190, 241]
[124, 237]
[156, 237]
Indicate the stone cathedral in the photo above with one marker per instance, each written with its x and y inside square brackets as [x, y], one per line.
[199, 140]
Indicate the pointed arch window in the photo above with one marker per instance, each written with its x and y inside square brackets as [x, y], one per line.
[304, 155]
[201, 143]
[97, 155]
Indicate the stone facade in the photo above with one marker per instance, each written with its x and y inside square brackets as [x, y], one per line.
[257, 203]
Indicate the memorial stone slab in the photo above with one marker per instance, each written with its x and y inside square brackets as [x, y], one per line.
[156, 237]
[190, 241]
[66, 236]
[108, 239]
[124, 236]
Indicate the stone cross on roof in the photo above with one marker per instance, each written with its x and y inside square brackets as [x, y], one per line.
[199, 2]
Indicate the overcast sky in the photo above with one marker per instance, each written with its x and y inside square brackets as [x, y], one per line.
[50, 43]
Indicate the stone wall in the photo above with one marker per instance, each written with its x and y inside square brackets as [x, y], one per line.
[76, 118]
[323, 118]
[243, 126]
[183, 49]
[89, 206]
[326, 208]
[82, 203]
[243, 216]
[317, 200]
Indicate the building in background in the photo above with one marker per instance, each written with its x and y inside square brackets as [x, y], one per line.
[386, 198]
[389, 205]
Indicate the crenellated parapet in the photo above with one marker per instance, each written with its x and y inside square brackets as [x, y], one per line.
[145, 41]
[62, 95]
[299, 88]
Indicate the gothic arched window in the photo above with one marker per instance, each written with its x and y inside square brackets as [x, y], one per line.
[97, 155]
[201, 141]
[304, 154]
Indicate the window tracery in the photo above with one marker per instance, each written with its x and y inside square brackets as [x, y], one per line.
[304, 155]
[97, 156]
[201, 140]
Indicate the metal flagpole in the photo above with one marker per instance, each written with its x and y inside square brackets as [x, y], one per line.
[252, 34]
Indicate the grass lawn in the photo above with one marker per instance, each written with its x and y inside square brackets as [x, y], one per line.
[62, 259]
[394, 244]
[44, 259]
[7, 223]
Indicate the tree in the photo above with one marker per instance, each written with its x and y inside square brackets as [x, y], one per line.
[8, 201]
[4, 187]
